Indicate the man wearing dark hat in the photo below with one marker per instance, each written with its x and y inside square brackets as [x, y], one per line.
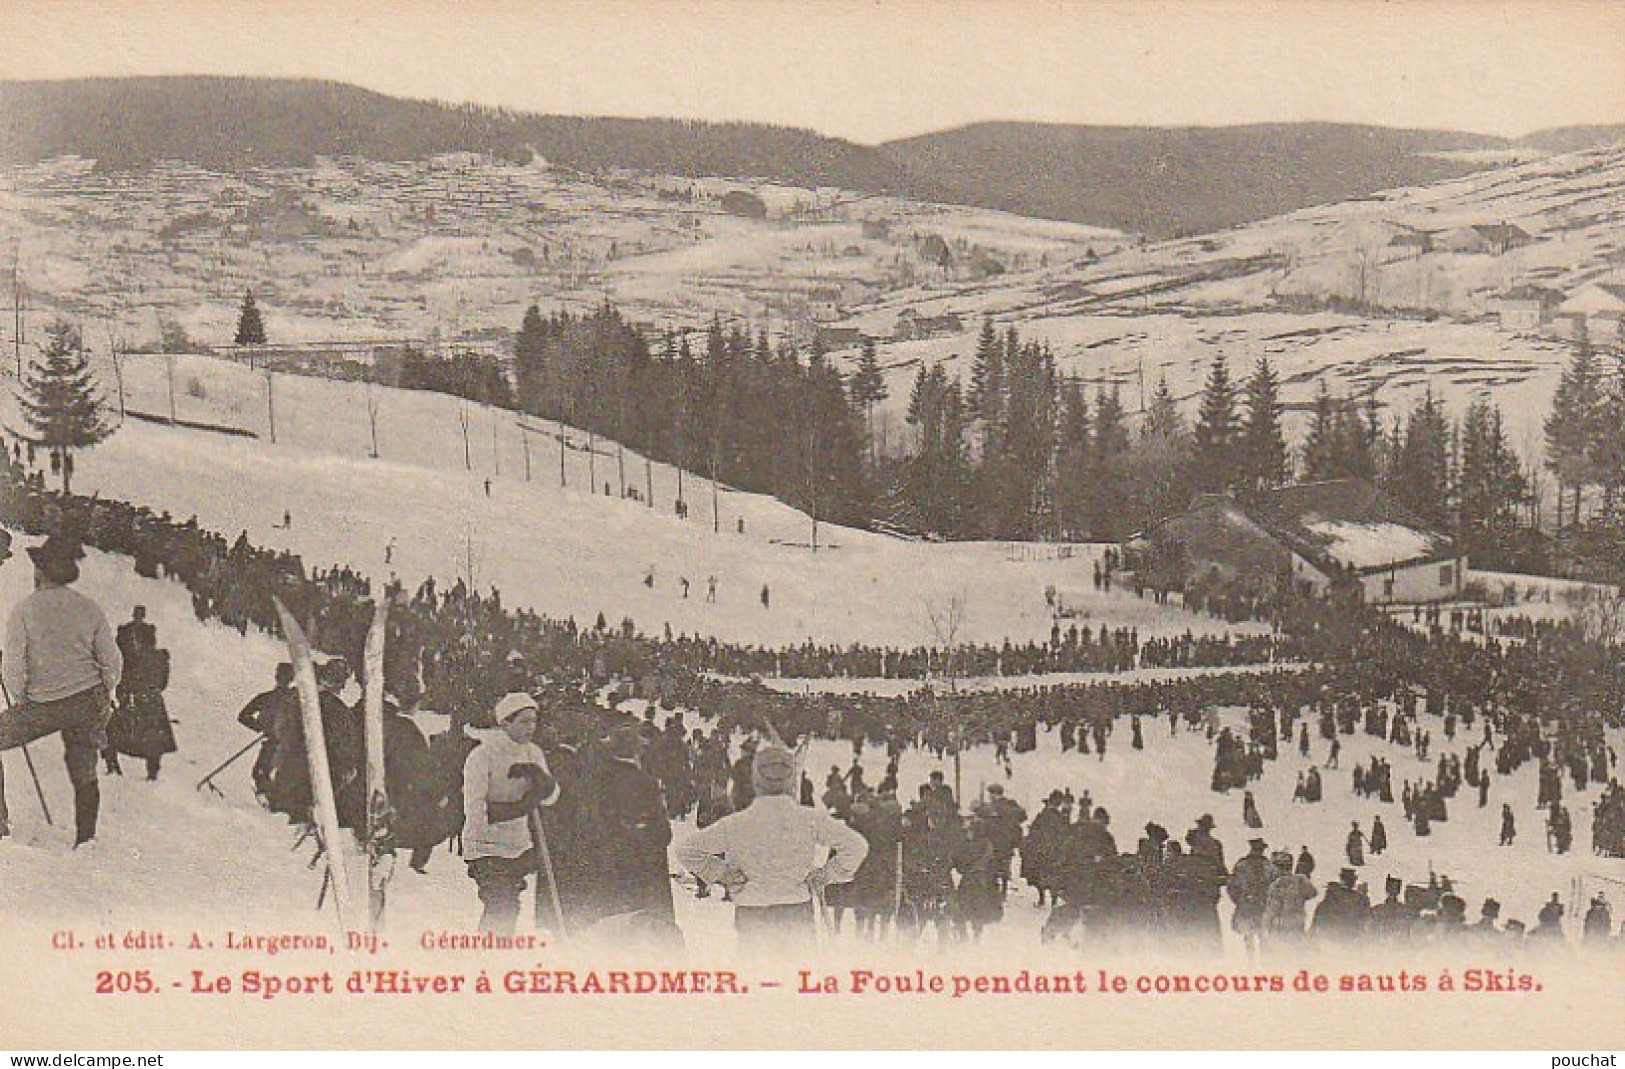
[1041, 849]
[1201, 840]
[61, 669]
[771, 855]
[1006, 819]
[1488, 915]
[272, 714]
[1344, 911]
[1393, 918]
[1248, 888]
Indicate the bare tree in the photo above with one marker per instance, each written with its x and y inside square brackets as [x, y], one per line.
[462, 420]
[374, 403]
[947, 623]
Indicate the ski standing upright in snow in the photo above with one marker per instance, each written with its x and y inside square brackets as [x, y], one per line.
[325, 807]
[380, 834]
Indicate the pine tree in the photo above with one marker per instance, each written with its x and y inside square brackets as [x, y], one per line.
[1111, 426]
[250, 328]
[1320, 445]
[61, 402]
[1075, 466]
[1162, 417]
[987, 387]
[868, 388]
[1571, 428]
[1215, 436]
[1262, 463]
[530, 359]
[1419, 476]
[1490, 486]
[1605, 449]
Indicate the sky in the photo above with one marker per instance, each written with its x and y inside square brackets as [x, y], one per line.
[871, 70]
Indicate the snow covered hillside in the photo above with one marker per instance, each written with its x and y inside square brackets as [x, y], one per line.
[353, 249]
[563, 551]
[1390, 295]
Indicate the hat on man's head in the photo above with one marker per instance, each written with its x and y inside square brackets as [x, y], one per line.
[58, 557]
[57, 547]
[773, 770]
[334, 669]
[511, 705]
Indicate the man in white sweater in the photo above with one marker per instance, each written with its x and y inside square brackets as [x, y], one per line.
[61, 668]
[771, 856]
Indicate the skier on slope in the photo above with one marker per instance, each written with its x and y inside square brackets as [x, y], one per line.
[61, 668]
[505, 780]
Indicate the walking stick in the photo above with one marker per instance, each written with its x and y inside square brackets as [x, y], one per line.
[39, 792]
[207, 781]
[539, 835]
[28, 758]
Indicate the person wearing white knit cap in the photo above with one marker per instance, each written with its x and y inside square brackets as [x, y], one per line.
[775, 856]
[504, 780]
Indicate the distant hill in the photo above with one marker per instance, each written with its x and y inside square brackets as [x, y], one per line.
[229, 123]
[1575, 138]
[1162, 182]
[1173, 181]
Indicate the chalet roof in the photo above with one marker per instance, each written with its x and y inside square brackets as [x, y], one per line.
[1502, 232]
[1350, 523]
[1543, 294]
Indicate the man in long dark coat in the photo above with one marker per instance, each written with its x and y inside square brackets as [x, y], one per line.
[634, 832]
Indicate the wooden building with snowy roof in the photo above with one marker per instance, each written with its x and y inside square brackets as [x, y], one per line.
[1340, 533]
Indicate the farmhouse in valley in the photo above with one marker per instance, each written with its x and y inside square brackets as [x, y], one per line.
[1527, 308]
[912, 326]
[1601, 306]
[1315, 536]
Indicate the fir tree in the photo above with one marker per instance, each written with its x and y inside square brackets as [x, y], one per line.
[987, 387]
[1419, 476]
[868, 388]
[250, 327]
[1262, 462]
[1216, 433]
[1490, 485]
[1320, 446]
[61, 402]
[1162, 417]
[1571, 429]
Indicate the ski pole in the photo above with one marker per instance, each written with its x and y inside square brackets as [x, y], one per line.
[228, 762]
[539, 834]
[28, 759]
[39, 791]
